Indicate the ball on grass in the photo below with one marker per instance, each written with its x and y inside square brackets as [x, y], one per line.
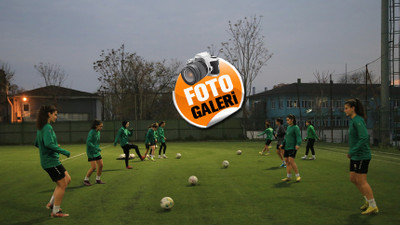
[131, 156]
[239, 152]
[167, 203]
[225, 163]
[193, 180]
[178, 155]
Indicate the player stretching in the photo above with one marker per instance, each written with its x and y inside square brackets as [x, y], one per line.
[122, 137]
[49, 151]
[359, 153]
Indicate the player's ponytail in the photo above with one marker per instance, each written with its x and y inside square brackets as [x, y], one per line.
[95, 123]
[292, 117]
[43, 115]
[358, 107]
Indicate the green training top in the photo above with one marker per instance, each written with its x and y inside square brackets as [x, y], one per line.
[161, 136]
[49, 150]
[311, 132]
[93, 144]
[269, 132]
[122, 136]
[150, 137]
[292, 138]
[358, 139]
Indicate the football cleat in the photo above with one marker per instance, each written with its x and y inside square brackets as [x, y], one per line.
[370, 210]
[58, 214]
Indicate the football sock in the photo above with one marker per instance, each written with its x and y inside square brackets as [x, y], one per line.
[297, 174]
[52, 200]
[97, 177]
[289, 175]
[372, 202]
[86, 179]
[56, 208]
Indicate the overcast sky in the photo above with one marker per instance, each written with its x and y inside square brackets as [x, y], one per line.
[304, 36]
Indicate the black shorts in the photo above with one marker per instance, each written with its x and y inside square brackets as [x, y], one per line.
[268, 142]
[94, 159]
[359, 166]
[56, 173]
[290, 153]
[148, 145]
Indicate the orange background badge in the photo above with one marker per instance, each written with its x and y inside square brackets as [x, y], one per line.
[212, 99]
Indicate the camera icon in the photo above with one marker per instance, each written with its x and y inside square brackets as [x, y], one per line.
[203, 64]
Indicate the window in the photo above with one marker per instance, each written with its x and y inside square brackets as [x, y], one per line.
[291, 104]
[273, 104]
[308, 104]
[280, 104]
[26, 107]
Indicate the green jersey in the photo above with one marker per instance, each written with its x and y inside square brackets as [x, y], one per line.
[358, 139]
[269, 132]
[150, 137]
[122, 136]
[93, 144]
[161, 136]
[49, 150]
[311, 132]
[292, 138]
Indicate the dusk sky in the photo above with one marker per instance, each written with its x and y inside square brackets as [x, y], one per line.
[304, 36]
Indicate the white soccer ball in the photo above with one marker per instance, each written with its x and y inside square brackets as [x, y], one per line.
[178, 155]
[239, 152]
[167, 203]
[131, 156]
[225, 163]
[193, 180]
[122, 156]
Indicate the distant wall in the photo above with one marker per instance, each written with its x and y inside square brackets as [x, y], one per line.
[76, 132]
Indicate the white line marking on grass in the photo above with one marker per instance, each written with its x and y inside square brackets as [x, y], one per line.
[75, 156]
[376, 156]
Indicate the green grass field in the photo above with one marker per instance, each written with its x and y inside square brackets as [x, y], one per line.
[249, 191]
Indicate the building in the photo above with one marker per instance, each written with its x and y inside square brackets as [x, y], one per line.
[323, 104]
[72, 105]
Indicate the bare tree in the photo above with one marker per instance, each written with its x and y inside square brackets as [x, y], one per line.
[322, 77]
[52, 74]
[132, 86]
[358, 78]
[246, 50]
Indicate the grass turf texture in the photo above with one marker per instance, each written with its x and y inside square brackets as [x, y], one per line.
[249, 191]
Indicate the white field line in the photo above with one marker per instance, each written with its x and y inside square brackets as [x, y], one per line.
[75, 156]
[375, 158]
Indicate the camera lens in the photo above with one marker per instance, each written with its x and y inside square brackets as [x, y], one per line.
[194, 72]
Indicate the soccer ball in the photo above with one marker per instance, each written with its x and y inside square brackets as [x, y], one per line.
[131, 156]
[225, 163]
[122, 156]
[239, 152]
[167, 203]
[178, 155]
[193, 180]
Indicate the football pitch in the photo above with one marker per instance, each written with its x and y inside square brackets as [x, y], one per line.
[249, 191]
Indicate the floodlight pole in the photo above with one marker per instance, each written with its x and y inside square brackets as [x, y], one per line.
[384, 112]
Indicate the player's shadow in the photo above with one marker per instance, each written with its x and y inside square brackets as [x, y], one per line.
[283, 184]
[38, 220]
[357, 218]
[273, 168]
